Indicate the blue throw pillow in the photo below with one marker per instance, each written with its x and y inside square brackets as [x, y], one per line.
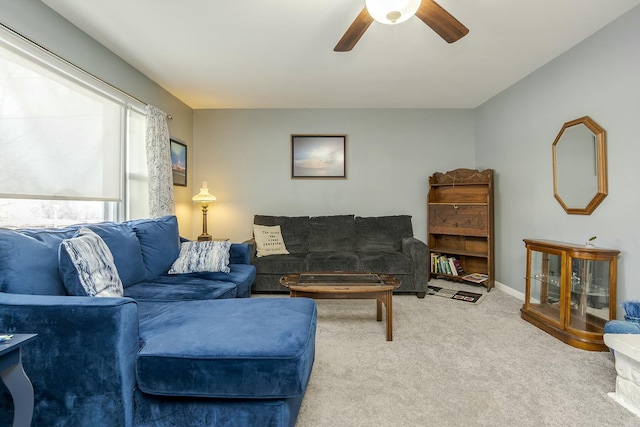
[159, 242]
[86, 266]
[125, 248]
[29, 261]
[197, 257]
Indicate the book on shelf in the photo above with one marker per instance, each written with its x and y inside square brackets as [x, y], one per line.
[458, 265]
[438, 264]
[442, 264]
[445, 265]
[434, 263]
[475, 277]
[452, 267]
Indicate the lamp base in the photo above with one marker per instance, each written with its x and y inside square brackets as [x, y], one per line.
[204, 238]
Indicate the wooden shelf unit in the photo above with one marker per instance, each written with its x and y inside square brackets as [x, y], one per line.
[460, 222]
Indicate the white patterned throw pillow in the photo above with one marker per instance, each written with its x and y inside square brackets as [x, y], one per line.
[86, 266]
[198, 257]
[269, 240]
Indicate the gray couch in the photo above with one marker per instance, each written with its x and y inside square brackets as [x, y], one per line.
[383, 244]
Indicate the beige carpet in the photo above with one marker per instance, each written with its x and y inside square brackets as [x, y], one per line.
[453, 363]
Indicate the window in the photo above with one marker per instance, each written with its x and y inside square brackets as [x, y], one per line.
[137, 175]
[72, 147]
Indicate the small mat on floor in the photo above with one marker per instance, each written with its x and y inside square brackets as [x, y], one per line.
[455, 294]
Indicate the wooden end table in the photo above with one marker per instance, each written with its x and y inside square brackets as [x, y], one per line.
[340, 285]
[15, 379]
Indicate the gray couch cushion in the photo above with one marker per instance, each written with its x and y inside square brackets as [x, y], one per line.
[295, 230]
[332, 261]
[386, 262]
[332, 233]
[383, 233]
[280, 264]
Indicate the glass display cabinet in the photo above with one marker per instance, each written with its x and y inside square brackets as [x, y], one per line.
[570, 291]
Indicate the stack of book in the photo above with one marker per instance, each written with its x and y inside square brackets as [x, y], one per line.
[442, 264]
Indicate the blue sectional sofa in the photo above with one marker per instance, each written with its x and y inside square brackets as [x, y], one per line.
[186, 349]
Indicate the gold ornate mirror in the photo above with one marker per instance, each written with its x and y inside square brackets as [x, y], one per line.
[580, 166]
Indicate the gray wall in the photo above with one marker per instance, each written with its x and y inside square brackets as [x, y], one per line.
[36, 21]
[244, 155]
[515, 130]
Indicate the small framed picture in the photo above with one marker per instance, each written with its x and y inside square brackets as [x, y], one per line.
[318, 156]
[179, 162]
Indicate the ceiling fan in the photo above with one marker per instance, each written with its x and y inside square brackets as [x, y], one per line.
[428, 11]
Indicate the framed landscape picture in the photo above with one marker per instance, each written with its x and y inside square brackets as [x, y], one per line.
[318, 156]
[179, 162]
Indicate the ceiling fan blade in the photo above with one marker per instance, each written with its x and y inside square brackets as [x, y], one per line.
[441, 21]
[355, 31]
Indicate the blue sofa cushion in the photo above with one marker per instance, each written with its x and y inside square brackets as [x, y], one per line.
[239, 253]
[202, 256]
[125, 248]
[29, 261]
[86, 266]
[242, 275]
[334, 233]
[159, 241]
[258, 348]
[180, 288]
[382, 233]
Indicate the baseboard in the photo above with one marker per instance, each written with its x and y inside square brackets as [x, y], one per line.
[506, 289]
[623, 402]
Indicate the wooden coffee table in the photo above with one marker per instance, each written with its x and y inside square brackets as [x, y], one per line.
[341, 285]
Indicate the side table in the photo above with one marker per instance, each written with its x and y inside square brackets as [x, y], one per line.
[16, 379]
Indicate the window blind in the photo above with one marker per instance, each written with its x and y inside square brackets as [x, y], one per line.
[59, 139]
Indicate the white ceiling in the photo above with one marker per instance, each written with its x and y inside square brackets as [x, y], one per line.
[279, 53]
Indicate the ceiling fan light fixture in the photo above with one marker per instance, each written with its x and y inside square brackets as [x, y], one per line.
[391, 12]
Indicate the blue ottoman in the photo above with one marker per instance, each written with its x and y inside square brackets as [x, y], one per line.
[230, 362]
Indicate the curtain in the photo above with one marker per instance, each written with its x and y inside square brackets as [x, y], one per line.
[159, 163]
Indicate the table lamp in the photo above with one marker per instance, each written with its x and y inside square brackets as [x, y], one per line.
[204, 198]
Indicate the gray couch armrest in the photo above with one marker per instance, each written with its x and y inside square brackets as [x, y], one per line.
[417, 250]
[82, 359]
